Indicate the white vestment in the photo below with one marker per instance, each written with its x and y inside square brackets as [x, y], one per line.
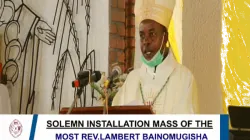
[5, 106]
[179, 96]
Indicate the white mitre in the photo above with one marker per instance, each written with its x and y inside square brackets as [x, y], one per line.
[160, 11]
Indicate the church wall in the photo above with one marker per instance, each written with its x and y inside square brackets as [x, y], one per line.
[122, 34]
[47, 64]
[201, 40]
[201, 50]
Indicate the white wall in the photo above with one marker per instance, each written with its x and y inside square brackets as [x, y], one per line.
[201, 50]
[98, 40]
[137, 60]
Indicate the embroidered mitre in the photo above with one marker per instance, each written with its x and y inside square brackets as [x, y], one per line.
[160, 11]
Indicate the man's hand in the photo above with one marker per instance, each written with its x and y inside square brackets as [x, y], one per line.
[44, 32]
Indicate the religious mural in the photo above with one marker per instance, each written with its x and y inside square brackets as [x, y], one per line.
[24, 31]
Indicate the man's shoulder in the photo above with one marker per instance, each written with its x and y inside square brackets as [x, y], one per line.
[133, 73]
[132, 77]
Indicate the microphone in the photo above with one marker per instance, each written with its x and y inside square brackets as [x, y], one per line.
[83, 78]
[83, 74]
[115, 72]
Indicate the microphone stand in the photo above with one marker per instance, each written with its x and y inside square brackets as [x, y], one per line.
[105, 104]
[79, 91]
[107, 88]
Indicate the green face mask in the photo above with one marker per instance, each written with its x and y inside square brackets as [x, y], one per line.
[156, 60]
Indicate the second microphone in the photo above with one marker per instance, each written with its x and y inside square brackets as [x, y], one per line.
[83, 78]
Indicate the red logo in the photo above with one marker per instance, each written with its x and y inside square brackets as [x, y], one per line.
[16, 128]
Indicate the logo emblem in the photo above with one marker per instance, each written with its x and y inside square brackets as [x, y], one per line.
[16, 128]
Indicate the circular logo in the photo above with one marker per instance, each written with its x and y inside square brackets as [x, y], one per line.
[16, 128]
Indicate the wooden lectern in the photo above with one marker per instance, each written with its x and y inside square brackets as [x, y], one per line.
[111, 110]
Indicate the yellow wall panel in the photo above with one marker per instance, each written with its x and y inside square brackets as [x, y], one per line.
[235, 53]
[175, 31]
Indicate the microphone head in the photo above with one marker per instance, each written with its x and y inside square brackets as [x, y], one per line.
[117, 69]
[83, 78]
[83, 74]
[98, 76]
[115, 72]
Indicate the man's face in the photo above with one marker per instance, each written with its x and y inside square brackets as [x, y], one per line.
[151, 35]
